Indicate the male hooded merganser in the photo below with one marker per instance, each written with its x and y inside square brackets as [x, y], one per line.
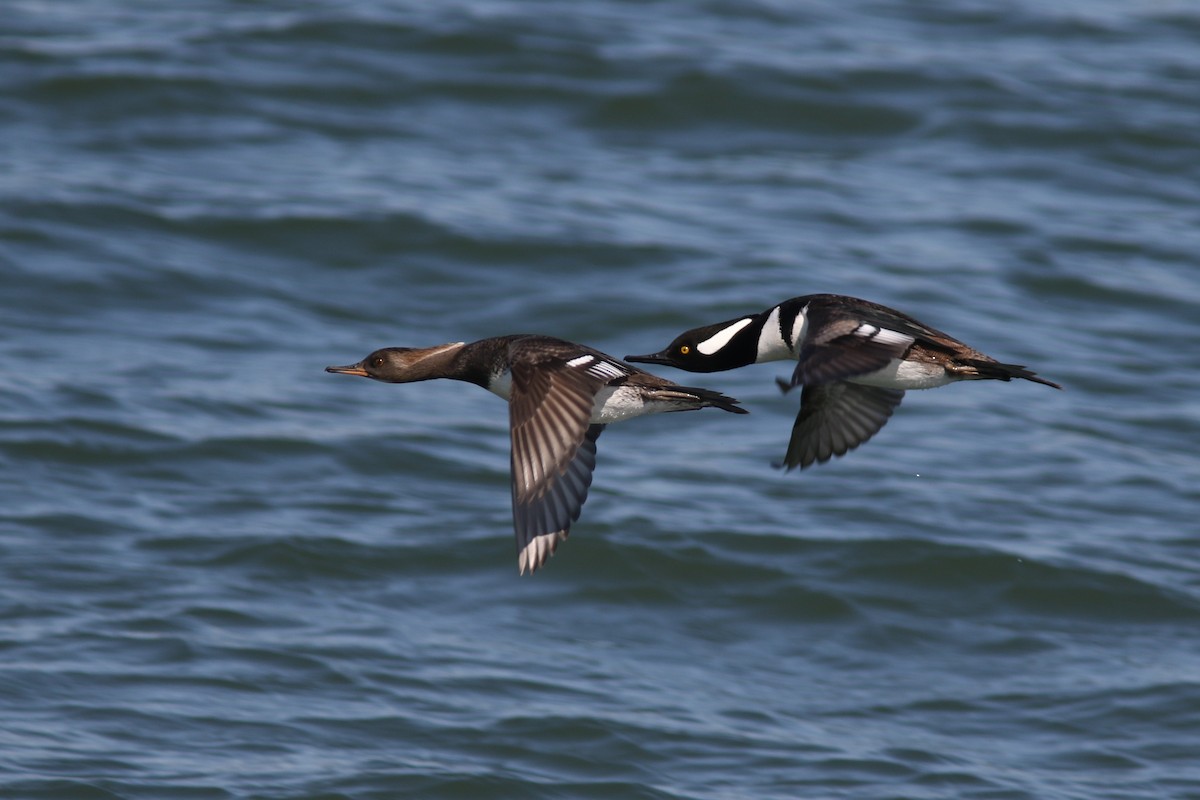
[856, 359]
[560, 396]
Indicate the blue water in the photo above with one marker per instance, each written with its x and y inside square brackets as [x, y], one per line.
[226, 574]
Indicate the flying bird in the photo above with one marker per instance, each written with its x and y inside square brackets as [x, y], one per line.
[560, 396]
[855, 359]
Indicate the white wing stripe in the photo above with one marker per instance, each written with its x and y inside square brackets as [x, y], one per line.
[605, 370]
[883, 335]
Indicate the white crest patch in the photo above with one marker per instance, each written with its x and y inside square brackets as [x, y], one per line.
[721, 338]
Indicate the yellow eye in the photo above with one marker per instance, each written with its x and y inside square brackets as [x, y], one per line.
[684, 349]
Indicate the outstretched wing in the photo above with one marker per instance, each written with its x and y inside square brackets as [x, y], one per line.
[835, 418]
[846, 346]
[553, 453]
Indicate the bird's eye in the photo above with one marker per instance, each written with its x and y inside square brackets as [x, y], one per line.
[377, 361]
[684, 349]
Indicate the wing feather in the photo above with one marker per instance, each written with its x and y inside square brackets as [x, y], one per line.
[835, 418]
[553, 452]
[845, 346]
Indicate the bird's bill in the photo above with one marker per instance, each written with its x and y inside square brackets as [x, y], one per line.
[651, 358]
[349, 369]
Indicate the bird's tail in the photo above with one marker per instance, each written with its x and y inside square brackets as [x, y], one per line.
[1006, 372]
[707, 398]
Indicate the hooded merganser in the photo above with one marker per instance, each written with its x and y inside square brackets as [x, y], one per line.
[561, 395]
[856, 359]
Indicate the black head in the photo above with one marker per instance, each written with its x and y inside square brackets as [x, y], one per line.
[711, 348]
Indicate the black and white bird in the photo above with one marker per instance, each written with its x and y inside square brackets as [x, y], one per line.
[560, 396]
[856, 360]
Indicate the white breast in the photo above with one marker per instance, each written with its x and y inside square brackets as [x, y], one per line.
[501, 384]
[771, 344]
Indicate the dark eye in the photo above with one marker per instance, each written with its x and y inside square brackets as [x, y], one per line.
[377, 361]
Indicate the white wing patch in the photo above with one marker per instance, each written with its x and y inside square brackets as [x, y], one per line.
[597, 367]
[606, 370]
[869, 331]
[538, 550]
[721, 338]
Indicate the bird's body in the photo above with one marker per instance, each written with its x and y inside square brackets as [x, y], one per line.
[855, 359]
[560, 395]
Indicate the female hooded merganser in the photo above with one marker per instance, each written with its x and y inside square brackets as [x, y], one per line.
[560, 396]
[856, 359]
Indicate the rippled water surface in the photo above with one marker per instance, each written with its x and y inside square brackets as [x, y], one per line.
[226, 574]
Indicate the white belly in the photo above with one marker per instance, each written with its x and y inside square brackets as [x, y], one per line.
[613, 404]
[621, 403]
[906, 375]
